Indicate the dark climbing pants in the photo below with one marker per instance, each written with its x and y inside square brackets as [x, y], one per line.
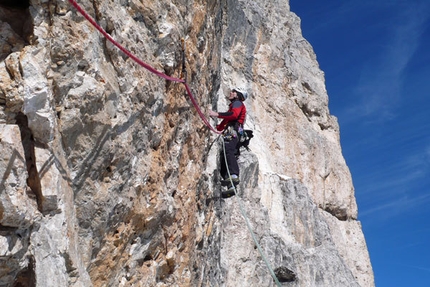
[230, 149]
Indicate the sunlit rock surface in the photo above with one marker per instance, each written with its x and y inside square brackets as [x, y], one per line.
[109, 177]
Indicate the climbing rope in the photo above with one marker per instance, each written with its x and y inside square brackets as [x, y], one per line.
[248, 224]
[144, 65]
[194, 102]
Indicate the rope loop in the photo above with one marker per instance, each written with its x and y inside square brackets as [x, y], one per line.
[145, 65]
[194, 102]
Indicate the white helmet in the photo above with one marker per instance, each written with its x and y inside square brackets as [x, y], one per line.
[241, 93]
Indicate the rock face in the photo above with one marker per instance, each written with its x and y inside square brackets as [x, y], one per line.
[110, 178]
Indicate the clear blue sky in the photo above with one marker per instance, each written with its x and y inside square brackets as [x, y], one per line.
[376, 59]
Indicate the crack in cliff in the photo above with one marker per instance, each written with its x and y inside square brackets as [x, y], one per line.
[28, 144]
[26, 277]
[16, 25]
[18, 4]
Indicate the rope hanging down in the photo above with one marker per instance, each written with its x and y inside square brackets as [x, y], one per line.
[193, 100]
[143, 64]
[248, 224]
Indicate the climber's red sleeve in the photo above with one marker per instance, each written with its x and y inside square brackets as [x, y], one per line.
[233, 114]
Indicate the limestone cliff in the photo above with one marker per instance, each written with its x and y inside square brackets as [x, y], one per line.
[110, 178]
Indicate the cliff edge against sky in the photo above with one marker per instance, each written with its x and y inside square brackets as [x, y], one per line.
[110, 178]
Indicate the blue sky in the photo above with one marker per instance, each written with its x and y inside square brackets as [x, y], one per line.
[376, 60]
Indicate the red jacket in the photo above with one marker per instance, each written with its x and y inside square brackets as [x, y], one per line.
[236, 113]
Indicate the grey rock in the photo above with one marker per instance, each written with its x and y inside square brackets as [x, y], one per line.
[109, 177]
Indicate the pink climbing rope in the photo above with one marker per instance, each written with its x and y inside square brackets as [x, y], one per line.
[143, 64]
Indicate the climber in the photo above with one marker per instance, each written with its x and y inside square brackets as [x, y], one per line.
[232, 128]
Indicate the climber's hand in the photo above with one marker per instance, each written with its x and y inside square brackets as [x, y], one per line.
[213, 114]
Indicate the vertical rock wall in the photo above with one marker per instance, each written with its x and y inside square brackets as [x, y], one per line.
[109, 178]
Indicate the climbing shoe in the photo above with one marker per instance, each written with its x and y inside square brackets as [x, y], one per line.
[229, 193]
[227, 181]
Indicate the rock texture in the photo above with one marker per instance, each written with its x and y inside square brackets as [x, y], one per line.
[109, 177]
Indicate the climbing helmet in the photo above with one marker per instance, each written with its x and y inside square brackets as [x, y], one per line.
[241, 94]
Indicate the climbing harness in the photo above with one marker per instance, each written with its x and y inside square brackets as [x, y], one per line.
[248, 224]
[146, 66]
[229, 133]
